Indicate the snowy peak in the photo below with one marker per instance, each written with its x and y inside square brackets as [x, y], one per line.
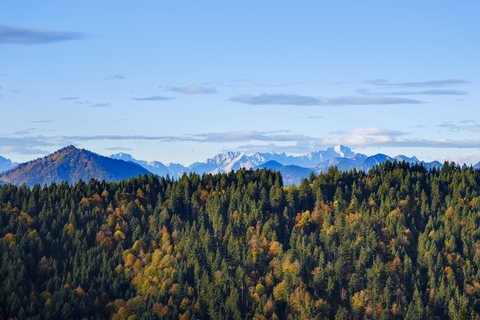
[123, 156]
[343, 151]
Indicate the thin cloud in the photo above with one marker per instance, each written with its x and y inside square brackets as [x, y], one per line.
[25, 131]
[101, 105]
[371, 132]
[29, 145]
[22, 150]
[116, 77]
[154, 98]
[419, 84]
[135, 137]
[69, 98]
[378, 137]
[31, 35]
[193, 89]
[430, 92]
[298, 100]
[466, 125]
[314, 117]
[250, 135]
[43, 121]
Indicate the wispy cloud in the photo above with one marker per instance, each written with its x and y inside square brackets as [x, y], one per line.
[22, 150]
[31, 35]
[292, 99]
[29, 145]
[314, 117]
[430, 92]
[101, 105]
[133, 137]
[250, 140]
[116, 77]
[43, 121]
[419, 84]
[468, 125]
[250, 135]
[371, 132]
[369, 137]
[154, 98]
[25, 131]
[69, 98]
[193, 89]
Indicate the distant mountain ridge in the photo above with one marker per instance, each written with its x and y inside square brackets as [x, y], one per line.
[293, 168]
[6, 164]
[71, 164]
[225, 162]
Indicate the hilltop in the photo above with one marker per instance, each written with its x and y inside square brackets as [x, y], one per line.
[71, 164]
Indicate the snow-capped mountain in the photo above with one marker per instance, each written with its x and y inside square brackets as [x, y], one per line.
[228, 161]
[293, 168]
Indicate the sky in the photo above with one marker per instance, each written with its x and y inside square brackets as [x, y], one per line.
[181, 81]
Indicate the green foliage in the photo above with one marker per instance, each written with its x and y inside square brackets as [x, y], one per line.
[397, 243]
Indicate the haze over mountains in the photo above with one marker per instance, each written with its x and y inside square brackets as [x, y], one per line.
[72, 164]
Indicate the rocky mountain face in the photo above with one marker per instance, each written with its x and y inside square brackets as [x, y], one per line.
[71, 164]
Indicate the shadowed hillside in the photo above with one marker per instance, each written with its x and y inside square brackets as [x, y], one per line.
[71, 164]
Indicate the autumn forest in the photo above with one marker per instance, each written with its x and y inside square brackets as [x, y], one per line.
[398, 242]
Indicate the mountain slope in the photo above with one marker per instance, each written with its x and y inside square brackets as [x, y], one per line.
[71, 164]
[6, 164]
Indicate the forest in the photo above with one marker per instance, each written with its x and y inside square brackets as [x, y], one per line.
[398, 242]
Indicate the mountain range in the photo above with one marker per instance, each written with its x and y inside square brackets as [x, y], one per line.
[72, 164]
[293, 168]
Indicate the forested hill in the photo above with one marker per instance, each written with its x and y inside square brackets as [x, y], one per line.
[71, 164]
[399, 242]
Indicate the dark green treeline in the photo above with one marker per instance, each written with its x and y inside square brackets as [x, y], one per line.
[397, 243]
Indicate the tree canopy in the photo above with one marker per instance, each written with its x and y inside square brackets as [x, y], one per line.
[400, 242]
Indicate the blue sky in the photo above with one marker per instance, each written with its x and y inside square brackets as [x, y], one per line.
[180, 81]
